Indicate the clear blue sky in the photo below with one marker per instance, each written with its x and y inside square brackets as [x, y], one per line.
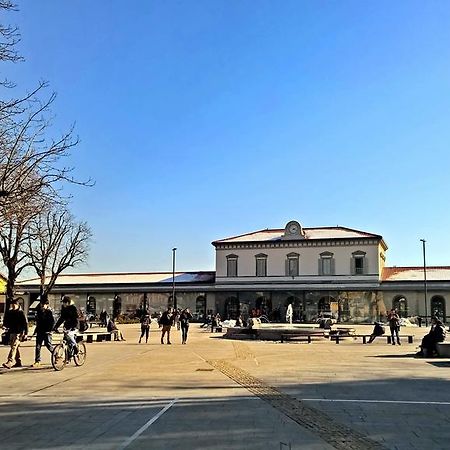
[204, 119]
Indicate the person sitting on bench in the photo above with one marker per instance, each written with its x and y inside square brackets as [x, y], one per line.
[378, 330]
[437, 334]
[112, 328]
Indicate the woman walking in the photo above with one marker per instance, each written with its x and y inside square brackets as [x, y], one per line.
[185, 317]
[145, 327]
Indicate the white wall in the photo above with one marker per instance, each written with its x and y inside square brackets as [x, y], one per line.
[309, 257]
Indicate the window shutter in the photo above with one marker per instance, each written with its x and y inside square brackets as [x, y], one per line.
[333, 267]
[352, 266]
[320, 271]
[365, 266]
[286, 267]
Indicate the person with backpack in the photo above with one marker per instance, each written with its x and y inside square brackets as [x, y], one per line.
[145, 326]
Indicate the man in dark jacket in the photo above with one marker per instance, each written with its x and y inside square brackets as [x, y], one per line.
[17, 325]
[166, 322]
[69, 315]
[44, 327]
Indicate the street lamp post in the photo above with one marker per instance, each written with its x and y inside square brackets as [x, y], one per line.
[425, 281]
[174, 300]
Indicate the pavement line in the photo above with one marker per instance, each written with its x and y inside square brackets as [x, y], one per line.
[406, 402]
[147, 424]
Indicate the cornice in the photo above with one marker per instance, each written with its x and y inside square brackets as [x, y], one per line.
[297, 244]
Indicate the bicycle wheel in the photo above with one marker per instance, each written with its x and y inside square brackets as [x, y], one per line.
[80, 357]
[59, 357]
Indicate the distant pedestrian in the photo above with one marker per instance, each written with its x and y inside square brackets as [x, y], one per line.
[103, 318]
[394, 325]
[145, 327]
[44, 326]
[185, 317]
[166, 322]
[419, 320]
[17, 325]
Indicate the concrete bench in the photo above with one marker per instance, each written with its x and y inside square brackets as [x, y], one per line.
[97, 337]
[365, 337]
[401, 336]
[300, 336]
[443, 349]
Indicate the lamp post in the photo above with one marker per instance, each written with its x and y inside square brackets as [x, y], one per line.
[425, 281]
[174, 300]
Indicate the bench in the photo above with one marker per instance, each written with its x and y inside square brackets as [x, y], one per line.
[443, 349]
[365, 337]
[97, 337]
[300, 336]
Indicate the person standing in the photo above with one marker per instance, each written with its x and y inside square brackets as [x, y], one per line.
[145, 326]
[17, 325]
[394, 325]
[166, 322]
[185, 317]
[44, 326]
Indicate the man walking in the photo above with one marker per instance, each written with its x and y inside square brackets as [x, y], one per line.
[17, 325]
[166, 322]
[44, 327]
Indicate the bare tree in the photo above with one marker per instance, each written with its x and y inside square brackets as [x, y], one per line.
[55, 242]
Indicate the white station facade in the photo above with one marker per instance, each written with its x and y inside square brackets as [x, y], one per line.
[321, 270]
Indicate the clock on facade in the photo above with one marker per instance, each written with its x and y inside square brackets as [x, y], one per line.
[293, 228]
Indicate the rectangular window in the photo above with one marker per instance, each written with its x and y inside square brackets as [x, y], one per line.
[359, 266]
[232, 267]
[326, 266]
[293, 267]
[261, 267]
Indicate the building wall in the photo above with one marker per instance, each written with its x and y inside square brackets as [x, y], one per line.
[308, 260]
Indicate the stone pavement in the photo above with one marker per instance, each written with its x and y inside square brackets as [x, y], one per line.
[221, 394]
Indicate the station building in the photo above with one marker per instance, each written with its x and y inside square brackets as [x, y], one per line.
[321, 271]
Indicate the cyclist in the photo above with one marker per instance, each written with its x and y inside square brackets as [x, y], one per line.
[69, 315]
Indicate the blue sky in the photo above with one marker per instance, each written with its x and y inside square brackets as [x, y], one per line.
[201, 120]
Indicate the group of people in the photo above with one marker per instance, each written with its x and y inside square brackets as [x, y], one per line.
[428, 346]
[16, 324]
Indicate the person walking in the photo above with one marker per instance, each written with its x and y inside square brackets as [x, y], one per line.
[166, 322]
[145, 326]
[44, 326]
[185, 317]
[17, 325]
[394, 325]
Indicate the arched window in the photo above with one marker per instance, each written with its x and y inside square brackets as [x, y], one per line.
[438, 307]
[232, 308]
[324, 304]
[91, 305]
[401, 305]
[200, 307]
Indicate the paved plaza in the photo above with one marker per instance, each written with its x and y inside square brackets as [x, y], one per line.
[222, 394]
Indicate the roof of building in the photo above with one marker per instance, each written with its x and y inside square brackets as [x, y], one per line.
[434, 273]
[127, 278]
[309, 234]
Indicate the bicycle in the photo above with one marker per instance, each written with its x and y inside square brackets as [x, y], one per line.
[62, 355]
